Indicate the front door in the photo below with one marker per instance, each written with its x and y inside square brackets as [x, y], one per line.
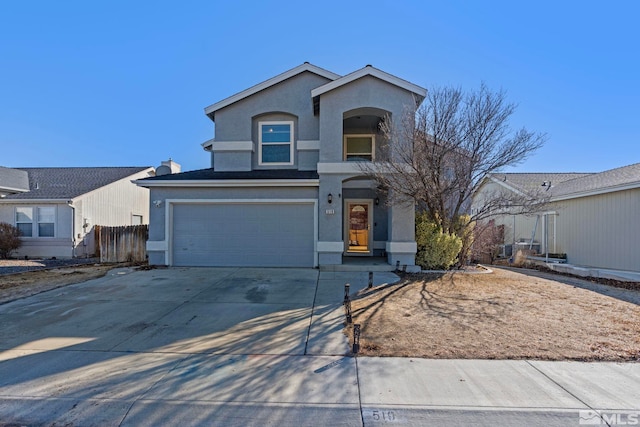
[358, 236]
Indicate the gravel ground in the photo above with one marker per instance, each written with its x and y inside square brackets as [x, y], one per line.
[10, 266]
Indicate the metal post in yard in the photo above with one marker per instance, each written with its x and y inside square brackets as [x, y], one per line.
[370, 279]
[347, 304]
[356, 338]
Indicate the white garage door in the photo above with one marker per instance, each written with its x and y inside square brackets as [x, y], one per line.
[243, 234]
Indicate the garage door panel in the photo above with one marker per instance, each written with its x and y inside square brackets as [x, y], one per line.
[266, 235]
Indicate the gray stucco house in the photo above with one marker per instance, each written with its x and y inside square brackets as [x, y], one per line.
[56, 209]
[285, 187]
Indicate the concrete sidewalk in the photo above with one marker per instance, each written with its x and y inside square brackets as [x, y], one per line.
[253, 347]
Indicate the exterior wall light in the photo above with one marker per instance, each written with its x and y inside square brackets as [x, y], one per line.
[377, 201]
[330, 198]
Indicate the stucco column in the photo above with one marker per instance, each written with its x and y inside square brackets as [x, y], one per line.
[330, 243]
[401, 245]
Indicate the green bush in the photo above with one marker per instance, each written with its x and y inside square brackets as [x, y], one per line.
[436, 250]
[9, 239]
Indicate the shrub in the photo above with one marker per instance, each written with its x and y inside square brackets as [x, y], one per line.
[9, 239]
[437, 250]
[486, 242]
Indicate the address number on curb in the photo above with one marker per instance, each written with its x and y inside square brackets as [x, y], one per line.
[382, 416]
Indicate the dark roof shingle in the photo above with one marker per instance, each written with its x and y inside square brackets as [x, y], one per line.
[566, 184]
[67, 183]
[210, 174]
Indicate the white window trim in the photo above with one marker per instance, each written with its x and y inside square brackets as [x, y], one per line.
[133, 215]
[359, 135]
[291, 143]
[35, 222]
[16, 222]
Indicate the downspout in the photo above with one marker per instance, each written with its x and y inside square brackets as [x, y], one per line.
[535, 229]
[555, 221]
[545, 226]
[73, 228]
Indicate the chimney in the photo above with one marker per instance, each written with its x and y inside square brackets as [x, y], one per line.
[168, 167]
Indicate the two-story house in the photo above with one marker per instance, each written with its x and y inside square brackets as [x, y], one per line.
[285, 187]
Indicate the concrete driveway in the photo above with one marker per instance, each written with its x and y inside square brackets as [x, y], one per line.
[257, 347]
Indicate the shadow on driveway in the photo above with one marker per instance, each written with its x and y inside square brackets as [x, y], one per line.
[114, 347]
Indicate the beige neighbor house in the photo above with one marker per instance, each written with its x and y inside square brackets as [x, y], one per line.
[56, 209]
[591, 217]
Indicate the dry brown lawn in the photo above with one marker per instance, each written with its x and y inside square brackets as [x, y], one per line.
[500, 315]
[21, 285]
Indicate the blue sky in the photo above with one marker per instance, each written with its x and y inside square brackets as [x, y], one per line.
[125, 83]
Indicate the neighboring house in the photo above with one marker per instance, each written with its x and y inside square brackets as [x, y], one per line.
[13, 181]
[285, 187]
[58, 208]
[592, 217]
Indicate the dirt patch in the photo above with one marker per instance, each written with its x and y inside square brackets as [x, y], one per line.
[21, 285]
[502, 315]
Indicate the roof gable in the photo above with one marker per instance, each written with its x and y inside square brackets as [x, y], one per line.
[13, 180]
[68, 183]
[572, 185]
[420, 92]
[306, 67]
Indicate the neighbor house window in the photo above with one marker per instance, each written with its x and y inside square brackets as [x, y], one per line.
[24, 221]
[36, 222]
[359, 148]
[276, 143]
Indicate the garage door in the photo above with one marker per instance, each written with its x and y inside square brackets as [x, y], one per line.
[243, 234]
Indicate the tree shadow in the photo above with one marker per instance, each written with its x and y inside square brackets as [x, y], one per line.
[434, 297]
[622, 294]
[173, 354]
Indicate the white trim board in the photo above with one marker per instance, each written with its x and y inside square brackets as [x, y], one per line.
[330, 247]
[220, 146]
[402, 247]
[308, 145]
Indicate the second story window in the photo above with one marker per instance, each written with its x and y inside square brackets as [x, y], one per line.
[276, 143]
[358, 148]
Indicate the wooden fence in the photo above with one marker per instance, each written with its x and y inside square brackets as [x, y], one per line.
[122, 244]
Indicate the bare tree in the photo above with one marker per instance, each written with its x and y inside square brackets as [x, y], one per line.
[440, 155]
[9, 239]
[487, 238]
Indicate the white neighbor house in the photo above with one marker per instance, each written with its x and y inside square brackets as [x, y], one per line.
[57, 208]
[592, 217]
